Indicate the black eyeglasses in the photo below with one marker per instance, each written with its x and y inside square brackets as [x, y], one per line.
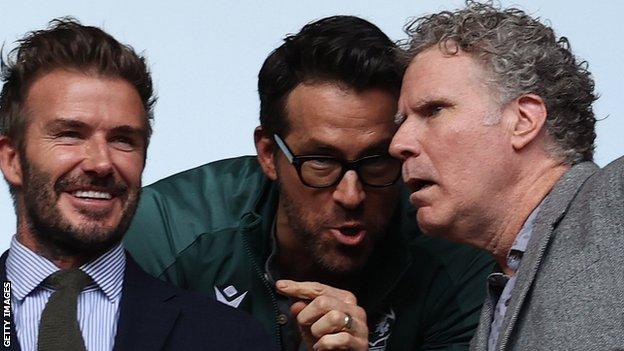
[318, 171]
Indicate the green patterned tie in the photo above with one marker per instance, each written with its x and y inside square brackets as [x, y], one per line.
[58, 328]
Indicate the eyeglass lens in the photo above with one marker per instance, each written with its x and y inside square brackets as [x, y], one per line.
[375, 171]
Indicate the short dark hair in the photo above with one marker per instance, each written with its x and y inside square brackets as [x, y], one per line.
[67, 44]
[343, 49]
[523, 56]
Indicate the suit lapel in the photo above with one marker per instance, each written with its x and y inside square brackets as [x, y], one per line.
[145, 317]
[553, 209]
[14, 343]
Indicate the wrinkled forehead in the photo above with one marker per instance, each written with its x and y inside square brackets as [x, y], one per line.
[435, 73]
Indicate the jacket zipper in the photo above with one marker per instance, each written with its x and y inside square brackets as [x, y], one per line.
[269, 289]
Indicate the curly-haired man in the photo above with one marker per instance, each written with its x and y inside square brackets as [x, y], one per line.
[497, 138]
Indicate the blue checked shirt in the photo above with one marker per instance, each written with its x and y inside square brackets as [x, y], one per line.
[98, 303]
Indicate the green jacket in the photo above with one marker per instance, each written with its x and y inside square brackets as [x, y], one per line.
[208, 229]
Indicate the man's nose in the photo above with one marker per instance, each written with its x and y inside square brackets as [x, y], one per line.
[404, 143]
[97, 157]
[349, 192]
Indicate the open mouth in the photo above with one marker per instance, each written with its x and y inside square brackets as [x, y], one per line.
[349, 235]
[350, 231]
[419, 184]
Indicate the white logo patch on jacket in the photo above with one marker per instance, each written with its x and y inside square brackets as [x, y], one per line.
[229, 296]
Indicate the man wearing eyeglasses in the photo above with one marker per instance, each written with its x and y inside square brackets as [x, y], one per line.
[312, 237]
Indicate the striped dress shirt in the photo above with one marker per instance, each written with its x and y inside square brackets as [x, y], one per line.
[98, 303]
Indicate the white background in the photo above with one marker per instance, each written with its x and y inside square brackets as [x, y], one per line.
[205, 57]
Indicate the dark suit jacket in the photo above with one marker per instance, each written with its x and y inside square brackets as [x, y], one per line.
[157, 316]
[569, 292]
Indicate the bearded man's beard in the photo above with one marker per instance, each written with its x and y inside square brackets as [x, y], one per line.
[54, 232]
[328, 256]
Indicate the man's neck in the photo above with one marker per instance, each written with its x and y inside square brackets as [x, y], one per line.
[526, 195]
[57, 256]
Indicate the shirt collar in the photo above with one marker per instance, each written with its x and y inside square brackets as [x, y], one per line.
[107, 271]
[522, 241]
[26, 270]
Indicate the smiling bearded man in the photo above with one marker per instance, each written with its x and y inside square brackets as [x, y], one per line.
[75, 113]
[41, 193]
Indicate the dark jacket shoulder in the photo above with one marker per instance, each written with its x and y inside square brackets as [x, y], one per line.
[155, 315]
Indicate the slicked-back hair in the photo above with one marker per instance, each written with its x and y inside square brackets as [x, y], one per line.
[345, 50]
[67, 44]
[521, 56]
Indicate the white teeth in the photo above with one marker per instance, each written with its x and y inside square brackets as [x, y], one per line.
[92, 194]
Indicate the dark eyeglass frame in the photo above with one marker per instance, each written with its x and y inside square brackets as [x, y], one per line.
[297, 162]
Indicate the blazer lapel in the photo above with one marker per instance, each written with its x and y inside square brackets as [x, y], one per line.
[13, 343]
[553, 209]
[145, 319]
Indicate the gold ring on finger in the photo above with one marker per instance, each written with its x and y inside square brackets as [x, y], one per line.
[348, 323]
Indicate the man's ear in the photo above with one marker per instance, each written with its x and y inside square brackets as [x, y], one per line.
[266, 155]
[530, 116]
[10, 162]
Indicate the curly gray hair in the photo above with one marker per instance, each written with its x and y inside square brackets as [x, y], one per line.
[523, 56]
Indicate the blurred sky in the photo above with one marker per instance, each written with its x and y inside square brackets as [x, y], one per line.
[205, 57]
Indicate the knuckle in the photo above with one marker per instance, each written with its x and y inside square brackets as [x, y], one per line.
[335, 317]
[343, 339]
[316, 331]
[350, 298]
[339, 341]
[360, 314]
[316, 287]
[301, 320]
[323, 303]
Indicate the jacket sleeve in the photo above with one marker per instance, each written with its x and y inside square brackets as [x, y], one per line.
[454, 308]
[151, 240]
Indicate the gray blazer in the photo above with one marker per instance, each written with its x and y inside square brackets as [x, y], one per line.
[569, 292]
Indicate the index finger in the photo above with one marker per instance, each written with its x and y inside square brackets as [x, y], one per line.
[312, 290]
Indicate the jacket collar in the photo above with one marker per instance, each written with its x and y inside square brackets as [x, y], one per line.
[256, 224]
[553, 209]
